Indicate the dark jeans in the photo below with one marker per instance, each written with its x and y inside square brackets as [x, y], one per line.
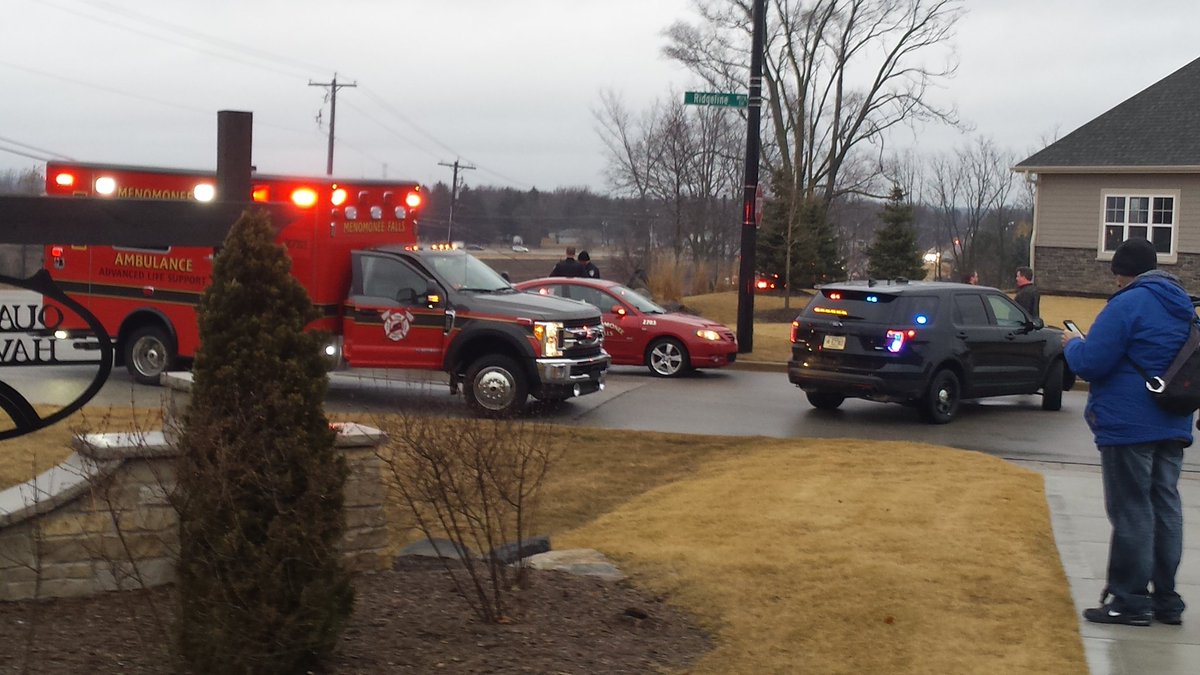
[1141, 496]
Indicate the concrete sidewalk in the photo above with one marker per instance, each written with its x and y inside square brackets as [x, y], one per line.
[1076, 498]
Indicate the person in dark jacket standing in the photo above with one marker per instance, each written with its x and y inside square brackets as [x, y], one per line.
[1145, 321]
[589, 270]
[568, 267]
[1028, 295]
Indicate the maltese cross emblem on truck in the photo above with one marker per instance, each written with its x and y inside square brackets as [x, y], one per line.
[397, 323]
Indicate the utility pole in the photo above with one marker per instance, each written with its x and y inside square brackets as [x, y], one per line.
[745, 317]
[453, 193]
[333, 90]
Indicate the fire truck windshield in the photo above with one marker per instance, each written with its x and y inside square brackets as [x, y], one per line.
[466, 272]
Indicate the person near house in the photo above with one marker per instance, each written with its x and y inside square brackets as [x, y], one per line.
[1028, 295]
[568, 267]
[1146, 322]
[589, 270]
[971, 277]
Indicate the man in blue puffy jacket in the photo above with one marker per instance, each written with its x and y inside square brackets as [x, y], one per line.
[1141, 446]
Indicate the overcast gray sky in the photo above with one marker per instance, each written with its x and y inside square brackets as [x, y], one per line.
[506, 85]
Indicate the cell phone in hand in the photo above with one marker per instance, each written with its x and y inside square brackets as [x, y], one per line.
[1073, 327]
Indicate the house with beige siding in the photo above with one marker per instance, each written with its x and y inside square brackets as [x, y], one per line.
[1132, 172]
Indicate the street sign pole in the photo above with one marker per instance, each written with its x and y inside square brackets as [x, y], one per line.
[745, 319]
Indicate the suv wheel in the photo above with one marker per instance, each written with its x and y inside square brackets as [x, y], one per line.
[940, 403]
[823, 400]
[1052, 390]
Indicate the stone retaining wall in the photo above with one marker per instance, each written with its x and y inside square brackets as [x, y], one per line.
[100, 521]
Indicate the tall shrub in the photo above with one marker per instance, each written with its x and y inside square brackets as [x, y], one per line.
[261, 586]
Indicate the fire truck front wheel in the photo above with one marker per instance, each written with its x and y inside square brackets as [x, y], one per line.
[496, 386]
[149, 353]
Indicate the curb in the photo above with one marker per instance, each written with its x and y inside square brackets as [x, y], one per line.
[760, 366]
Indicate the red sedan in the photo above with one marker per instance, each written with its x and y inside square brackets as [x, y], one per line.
[639, 332]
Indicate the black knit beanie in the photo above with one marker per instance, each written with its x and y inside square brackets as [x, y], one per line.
[1133, 257]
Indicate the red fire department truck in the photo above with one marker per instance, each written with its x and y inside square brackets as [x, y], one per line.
[387, 301]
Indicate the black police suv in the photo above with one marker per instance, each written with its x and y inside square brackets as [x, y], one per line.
[924, 343]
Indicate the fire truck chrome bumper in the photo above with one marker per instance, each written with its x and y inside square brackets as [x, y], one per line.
[573, 371]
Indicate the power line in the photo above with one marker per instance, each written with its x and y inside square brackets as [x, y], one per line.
[213, 43]
[226, 49]
[47, 153]
[398, 115]
[24, 154]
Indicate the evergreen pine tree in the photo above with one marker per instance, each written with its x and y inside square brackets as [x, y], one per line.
[894, 253]
[816, 260]
[260, 581]
[814, 245]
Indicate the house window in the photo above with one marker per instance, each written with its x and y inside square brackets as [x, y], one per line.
[1149, 216]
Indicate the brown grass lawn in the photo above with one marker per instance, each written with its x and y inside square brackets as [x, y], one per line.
[832, 555]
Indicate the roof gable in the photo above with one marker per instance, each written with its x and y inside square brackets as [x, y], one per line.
[1157, 127]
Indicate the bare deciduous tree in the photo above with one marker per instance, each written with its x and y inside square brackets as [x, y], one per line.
[837, 74]
[682, 165]
[965, 189]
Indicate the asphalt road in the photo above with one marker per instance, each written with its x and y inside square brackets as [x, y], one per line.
[729, 401]
[720, 402]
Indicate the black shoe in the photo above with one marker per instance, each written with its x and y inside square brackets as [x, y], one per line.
[1110, 614]
[1171, 618]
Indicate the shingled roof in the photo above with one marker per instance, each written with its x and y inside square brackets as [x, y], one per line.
[1157, 128]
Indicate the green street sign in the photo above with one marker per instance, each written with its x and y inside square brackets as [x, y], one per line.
[707, 98]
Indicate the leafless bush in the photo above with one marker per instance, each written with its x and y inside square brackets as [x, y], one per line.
[666, 277]
[474, 482]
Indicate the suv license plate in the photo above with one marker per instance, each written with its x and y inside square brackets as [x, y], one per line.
[834, 342]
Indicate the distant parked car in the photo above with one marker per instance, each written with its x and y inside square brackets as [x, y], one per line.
[638, 332]
[520, 249]
[927, 344]
[768, 282]
[475, 247]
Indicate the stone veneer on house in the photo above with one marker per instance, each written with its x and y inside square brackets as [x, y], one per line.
[1074, 271]
[100, 521]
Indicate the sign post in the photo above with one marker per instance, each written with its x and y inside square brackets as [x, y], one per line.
[750, 191]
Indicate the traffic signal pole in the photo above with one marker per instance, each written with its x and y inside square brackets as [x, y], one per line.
[746, 272]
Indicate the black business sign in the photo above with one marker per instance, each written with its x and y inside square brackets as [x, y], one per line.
[27, 339]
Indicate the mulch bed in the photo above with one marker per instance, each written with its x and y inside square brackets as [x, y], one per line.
[408, 619]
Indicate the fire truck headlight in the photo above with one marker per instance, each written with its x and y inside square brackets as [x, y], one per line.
[547, 334]
[106, 185]
[706, 334]
[204, 192]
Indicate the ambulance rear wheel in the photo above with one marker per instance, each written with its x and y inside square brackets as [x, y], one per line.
[496, 386]
[149, 353]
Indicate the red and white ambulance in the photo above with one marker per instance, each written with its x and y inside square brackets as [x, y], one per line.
[387, 301]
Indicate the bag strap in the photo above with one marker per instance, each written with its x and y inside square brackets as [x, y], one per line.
[1190, 345]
